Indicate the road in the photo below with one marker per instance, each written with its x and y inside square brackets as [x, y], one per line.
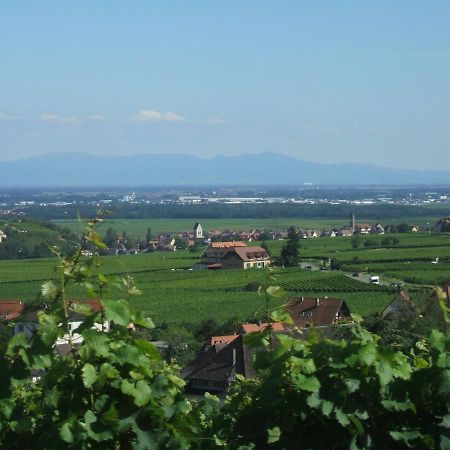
[363, 277]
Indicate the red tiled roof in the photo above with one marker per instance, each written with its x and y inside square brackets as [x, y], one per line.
[249, 253]
[10, 309]
[94, 304]
[256, 328]
[315, 311]
[223, 339]
[227, 244]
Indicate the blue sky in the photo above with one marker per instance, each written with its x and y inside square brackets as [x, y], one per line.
[329, 81]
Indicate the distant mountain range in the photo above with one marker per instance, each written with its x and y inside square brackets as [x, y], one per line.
[263, 169]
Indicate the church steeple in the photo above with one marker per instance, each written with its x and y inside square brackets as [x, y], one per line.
[352, 221]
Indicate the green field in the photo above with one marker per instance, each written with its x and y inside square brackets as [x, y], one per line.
[136, 228]
[182, 295]
[410, 260]
[174, 294]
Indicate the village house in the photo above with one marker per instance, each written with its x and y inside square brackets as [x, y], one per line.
[345, 231]
[28, 322]
[216, 367]
[306, 234]
[377, 229]
[2, 236]
[363, 228]
[401, 304]
[234, 255]
[318, 312]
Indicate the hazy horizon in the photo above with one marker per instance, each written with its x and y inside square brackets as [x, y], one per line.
[341, 82]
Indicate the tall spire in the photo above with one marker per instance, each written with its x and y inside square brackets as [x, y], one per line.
[352, 220]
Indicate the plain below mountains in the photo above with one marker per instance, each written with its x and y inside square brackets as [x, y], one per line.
[264, 169]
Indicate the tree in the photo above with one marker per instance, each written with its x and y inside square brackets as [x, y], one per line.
[265, 247]
[370, 243]
[402, 228]
[290, 252]
[111, 237]
[356, 241]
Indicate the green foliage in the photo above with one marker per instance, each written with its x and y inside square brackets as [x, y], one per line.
[111, 237]
[358, 394]
[290, 253]
[28, 238]
[356, 241]
[113, 390]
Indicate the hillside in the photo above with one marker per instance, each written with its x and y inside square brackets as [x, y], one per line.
[27, 238]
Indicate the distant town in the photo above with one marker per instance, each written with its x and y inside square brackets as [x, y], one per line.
[20, 202]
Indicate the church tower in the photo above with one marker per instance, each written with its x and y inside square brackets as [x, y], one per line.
[352, 221]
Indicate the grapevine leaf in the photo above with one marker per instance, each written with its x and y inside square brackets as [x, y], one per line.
[273, 435]
[89, 375]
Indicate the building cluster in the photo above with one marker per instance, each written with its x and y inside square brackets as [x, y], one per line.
[233, 255]
[27, 321]
[225, 357]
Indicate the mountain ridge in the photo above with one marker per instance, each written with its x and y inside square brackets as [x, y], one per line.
[76, 169]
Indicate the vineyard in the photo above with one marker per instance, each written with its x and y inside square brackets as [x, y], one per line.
[334, 282]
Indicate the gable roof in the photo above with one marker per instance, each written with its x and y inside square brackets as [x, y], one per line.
[10, 309]
[399, 304]
[219, 362]
[316, 311]
[227, 244]
[255, 328]
[222, 339]
[250, 253]
[88, 307]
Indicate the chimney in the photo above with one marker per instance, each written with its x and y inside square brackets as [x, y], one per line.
[317, 302]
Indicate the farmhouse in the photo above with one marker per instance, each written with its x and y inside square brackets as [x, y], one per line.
[2, 236]
[363, 228]
[317, 312]
[234, 255]
[216, 367]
